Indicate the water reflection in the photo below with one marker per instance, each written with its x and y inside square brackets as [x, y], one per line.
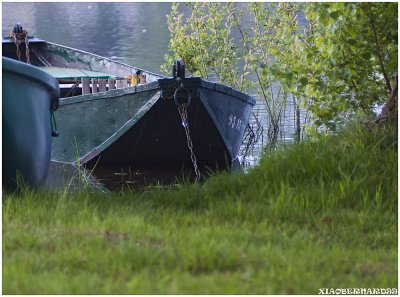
[132, 32]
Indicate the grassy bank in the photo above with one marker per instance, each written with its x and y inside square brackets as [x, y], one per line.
[319, 214]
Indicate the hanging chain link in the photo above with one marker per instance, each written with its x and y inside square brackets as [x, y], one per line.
[184, 116]
[28, 59]
[17, 43]
[182, 109]
[17, 40]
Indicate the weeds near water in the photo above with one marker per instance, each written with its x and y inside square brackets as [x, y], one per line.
[253, 134]
[239, 46]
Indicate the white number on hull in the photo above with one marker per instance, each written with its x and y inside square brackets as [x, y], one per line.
[234, 122]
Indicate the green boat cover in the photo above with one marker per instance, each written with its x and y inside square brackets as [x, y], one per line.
[73, 73]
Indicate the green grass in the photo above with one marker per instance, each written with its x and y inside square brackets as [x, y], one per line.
[320, 214]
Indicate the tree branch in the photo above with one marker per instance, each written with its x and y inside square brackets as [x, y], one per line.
[378, 52]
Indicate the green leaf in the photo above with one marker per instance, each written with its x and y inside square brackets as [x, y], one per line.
[289, 75]
[351, 41]
[303, 81]
[334, 15]
[334, 53]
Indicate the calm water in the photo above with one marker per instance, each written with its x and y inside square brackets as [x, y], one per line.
[133, 33]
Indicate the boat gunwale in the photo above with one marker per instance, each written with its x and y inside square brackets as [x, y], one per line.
[228, 91]
[171, 82]
[192, 83]
[110, 94]
[198, 82]
[103, 58]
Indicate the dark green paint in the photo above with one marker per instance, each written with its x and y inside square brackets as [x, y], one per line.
[28, 93]
[90, 123]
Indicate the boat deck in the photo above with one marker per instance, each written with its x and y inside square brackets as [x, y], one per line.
[71, 74]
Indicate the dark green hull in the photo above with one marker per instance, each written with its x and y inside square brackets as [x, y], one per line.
[142, 125]
[140, 129]
[28, 95]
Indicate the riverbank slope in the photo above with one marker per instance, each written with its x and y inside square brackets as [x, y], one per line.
[319, 214]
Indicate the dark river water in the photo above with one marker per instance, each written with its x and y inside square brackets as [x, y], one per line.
[132, 32]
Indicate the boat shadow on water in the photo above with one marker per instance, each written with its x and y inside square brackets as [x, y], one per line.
[143, 178]
[69, 177]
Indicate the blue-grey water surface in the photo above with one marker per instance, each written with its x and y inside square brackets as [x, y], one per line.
[132, 32]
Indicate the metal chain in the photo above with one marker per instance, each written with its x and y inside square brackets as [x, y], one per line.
[182, 108]
[17, 40]
[28, 59]
[178, 72]
[17, 43]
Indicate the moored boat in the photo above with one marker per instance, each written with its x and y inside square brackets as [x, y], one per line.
[30, 95]
[119, 117]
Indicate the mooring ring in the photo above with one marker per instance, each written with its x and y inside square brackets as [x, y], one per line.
[189, 98]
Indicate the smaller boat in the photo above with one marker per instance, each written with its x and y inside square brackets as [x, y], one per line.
[30, 96]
